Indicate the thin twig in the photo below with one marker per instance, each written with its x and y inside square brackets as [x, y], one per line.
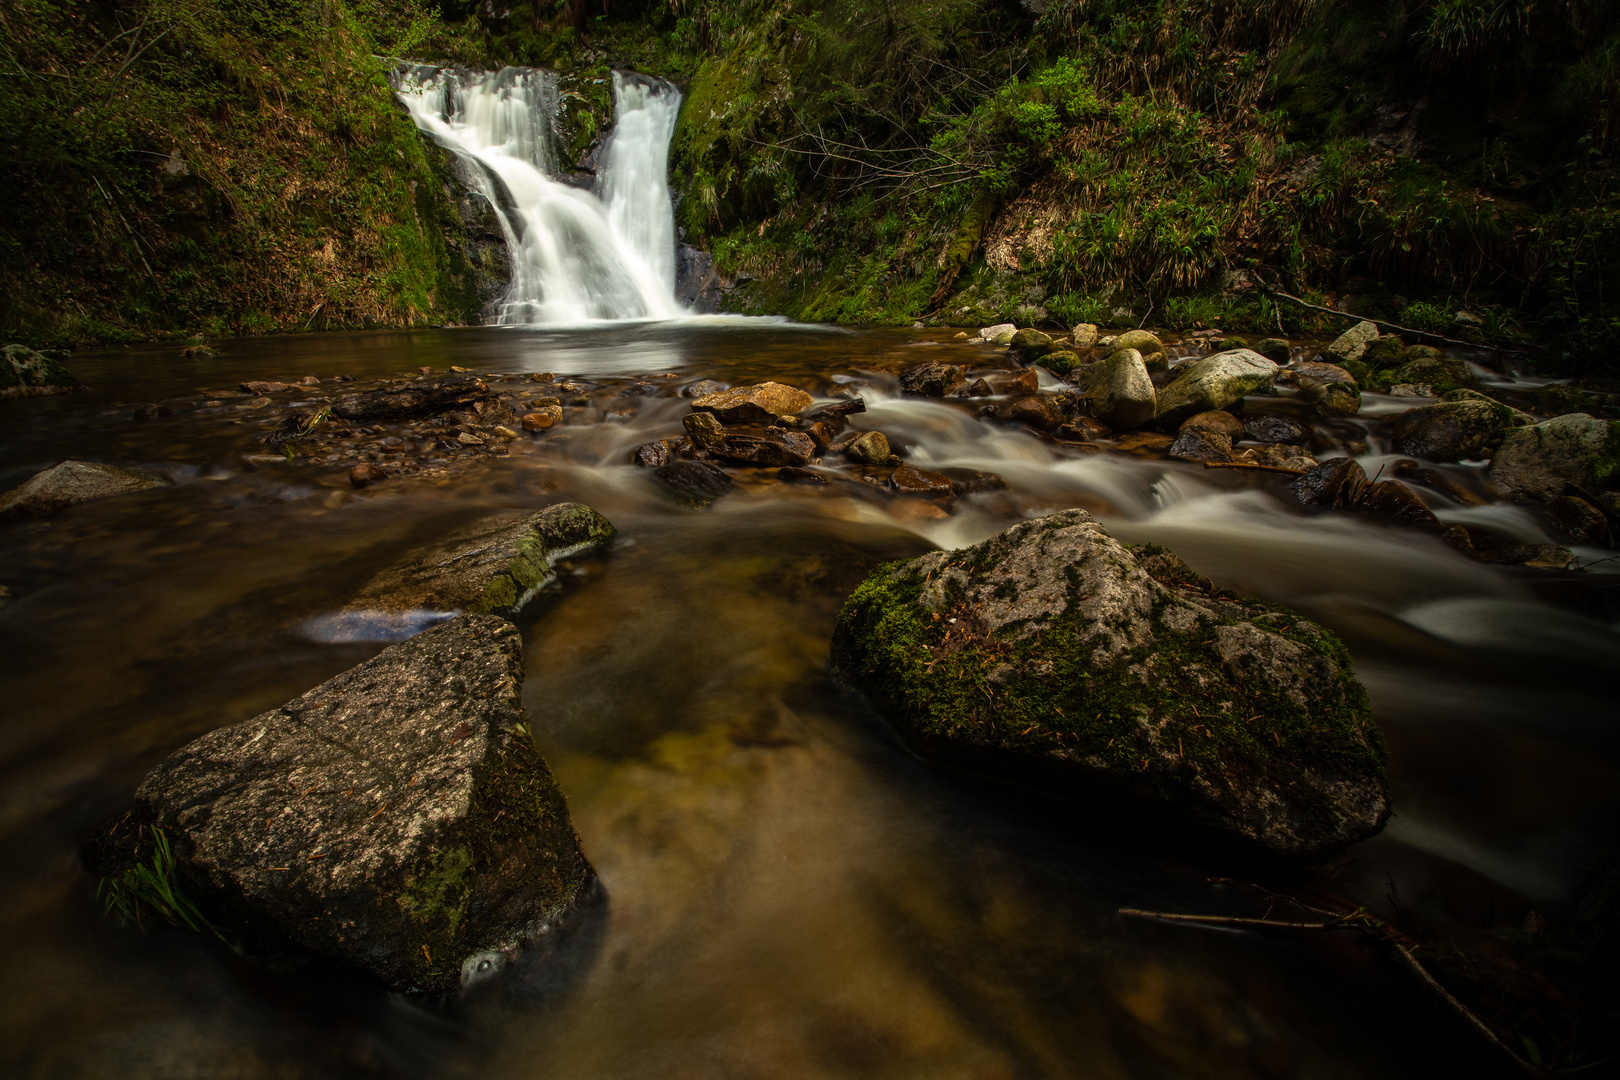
[1392, 326]
[1374, 928]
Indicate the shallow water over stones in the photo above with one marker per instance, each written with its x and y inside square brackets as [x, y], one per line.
[789, 892]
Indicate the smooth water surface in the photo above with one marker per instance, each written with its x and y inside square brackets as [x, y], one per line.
[790, 892]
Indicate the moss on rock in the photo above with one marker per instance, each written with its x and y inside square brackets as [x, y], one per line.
[1054, 652]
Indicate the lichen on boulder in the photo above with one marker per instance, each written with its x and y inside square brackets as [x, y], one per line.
[396, 818]
[26, 373]
[1054, 653]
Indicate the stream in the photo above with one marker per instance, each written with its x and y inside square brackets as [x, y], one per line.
[790, 892]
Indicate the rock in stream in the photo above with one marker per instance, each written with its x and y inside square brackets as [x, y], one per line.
[396, 818]
[1054, 653]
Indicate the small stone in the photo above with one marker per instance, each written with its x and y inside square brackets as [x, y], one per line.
[1338, 483]
[367, 473]
[467, 438]
[504, 432]
[1271, 428]
[1143, 341]
[868, 448]
[793, 474]
[931, 379]
[910, 480]
[651, 455]
[999, 334]
[310, 380]
[1329, 387]
[1084, 335]
[977, 388]
[1029, 345]
[1217, 421]
[543, 418]
[1033, 410]
[703, 388]
[1061, 362]
[1411, 390]
[266, 387]
[971, 481]
[703, 428]
[1352, 343]
[1201, 444]
[152, 412]
[1024, 382]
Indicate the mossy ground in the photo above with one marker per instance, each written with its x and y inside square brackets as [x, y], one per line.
[934, 679]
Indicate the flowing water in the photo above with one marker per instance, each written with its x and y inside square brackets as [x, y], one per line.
[789, 891]
[578, 256]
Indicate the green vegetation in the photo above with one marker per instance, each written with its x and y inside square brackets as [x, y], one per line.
[237, 165]
[150, 891]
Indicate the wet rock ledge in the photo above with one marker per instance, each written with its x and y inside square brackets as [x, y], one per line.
[396, 818]
[1055, 654]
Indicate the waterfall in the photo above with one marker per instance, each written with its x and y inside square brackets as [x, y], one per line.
[577, 256]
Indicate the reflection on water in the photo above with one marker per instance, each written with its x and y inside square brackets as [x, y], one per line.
[790, 892]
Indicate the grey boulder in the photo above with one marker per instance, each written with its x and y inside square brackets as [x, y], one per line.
[1351, 344]
[1120, 389]
[396, 818]
[1214, 382]
[71, 483]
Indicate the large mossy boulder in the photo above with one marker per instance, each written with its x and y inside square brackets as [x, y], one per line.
[71, 483]
[1143, 341]
[1539, 461]
[1215, 382]
[396, 818]
[493, 566]
[1440, 374]
[1054, 653]
[1119, 389]
[26, 373]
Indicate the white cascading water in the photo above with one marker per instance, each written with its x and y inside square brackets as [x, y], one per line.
[577, 256]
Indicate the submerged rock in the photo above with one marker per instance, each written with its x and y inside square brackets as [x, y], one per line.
[695, 483]
[411, 399]
[71, 483]
[1120, 389]
[910, 480]
[931, 379]
[969, 481]
[759, 404]
[396, 818]
[493, 566]
[26, 373]
[1540, 461]
[1054, 653]
[1214, 382]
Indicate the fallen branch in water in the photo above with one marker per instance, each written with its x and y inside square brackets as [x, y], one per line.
[1392, 326]
[1252, 465]
[1376, 929]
